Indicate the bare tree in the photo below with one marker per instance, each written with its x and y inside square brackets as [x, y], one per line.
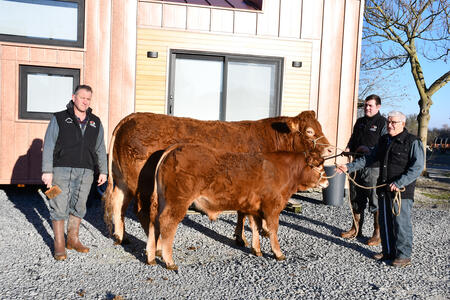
[398, 32]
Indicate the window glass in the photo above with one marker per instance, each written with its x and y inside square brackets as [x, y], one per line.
[42, 21]
[198, 88]
[250, 91]
[48, 93]
[211, 86]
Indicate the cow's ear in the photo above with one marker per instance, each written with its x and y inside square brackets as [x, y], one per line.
[307, 114]
[293, 125]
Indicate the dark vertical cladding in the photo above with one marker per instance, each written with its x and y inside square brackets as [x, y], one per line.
[257, 4]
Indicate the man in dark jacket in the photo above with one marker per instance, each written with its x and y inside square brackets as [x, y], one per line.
[73, 146]
[401, 158]
[366, 133]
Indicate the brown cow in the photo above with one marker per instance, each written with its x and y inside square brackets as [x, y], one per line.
[214, 180]
[140, 138]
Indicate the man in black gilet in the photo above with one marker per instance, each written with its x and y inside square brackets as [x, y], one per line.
[73, 146]
[401, 157]
[366, 133]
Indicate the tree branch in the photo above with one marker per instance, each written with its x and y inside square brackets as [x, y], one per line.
[438, 83]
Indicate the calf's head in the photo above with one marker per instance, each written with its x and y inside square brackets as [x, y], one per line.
[313, 173]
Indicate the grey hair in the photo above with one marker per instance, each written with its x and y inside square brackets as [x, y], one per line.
[399, 114]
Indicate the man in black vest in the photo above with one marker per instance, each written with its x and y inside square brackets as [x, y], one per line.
[366, 133]
[73, 146]
[401, 158]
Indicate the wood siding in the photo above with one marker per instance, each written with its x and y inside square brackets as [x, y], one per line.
[21, 140]
[151, 76]
[107, 63]
[323, 34]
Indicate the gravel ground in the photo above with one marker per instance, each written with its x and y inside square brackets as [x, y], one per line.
[319, 264]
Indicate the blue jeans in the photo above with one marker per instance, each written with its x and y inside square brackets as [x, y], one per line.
[75, 184]
[396, 231]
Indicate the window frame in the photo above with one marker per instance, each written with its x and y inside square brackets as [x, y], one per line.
[226, 57]
[79, 43]
[24, 70]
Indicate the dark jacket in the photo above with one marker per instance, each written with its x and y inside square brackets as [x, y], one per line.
[74, 147]
[366, 132]
[393, 155]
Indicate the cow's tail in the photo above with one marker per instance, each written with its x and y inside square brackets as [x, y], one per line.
[154, 204]
[107, 197]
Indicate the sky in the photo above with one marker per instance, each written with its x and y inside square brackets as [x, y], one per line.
[440, 109]
[402, 82]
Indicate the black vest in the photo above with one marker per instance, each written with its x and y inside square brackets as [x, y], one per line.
[367, 132]
[394, 159]
[73, 148]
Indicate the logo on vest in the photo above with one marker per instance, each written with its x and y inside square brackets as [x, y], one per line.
[69, 120]
[373, 128]
[92, 124]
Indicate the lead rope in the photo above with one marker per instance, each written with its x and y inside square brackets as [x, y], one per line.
[397, 199]
[328, 177]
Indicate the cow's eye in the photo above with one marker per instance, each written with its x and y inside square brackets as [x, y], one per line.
[309, 132]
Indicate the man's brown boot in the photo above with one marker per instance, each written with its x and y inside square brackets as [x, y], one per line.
[59, 241]
[401, 262]
[73, 241]
[375, 240]
[355, 230]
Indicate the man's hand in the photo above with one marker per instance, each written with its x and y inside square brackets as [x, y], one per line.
[341, 169]
[101, 179]
[47, 178]
[393, 187]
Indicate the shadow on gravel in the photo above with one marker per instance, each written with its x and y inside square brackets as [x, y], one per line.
[307, 199]
[212, 234]
[94, 216]
[33, 207]
[331, 238]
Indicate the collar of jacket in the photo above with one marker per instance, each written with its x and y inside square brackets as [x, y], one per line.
[375, 116]
[70, 109]
[401, 136]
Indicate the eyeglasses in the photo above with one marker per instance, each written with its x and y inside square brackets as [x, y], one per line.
[393, 122]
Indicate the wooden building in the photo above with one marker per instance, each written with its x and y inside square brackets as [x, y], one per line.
[215, 59]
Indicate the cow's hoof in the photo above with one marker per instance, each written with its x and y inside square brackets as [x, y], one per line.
[117, 240]
[264, 233]
[281, 257]
[158, 253]
[256, 253]
[152, 262]
[172, 267]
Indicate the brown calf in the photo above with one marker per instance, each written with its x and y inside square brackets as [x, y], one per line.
[213, 180]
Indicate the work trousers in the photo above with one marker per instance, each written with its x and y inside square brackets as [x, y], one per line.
[75, 184]
[359, 196]
[396, 231]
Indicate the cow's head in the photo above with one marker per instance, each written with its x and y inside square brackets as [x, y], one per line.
[309, 135]
[313, 172]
